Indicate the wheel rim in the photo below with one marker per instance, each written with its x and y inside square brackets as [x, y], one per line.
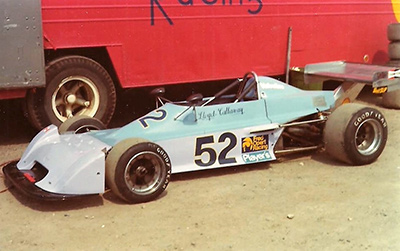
[144, 172]
[75, 95]
[368, 137]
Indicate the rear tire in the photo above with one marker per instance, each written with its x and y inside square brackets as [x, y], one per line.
[75, 85]
[355, 134]
[391, 99]
[137, 170]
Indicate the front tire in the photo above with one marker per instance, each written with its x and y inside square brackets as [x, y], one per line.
[75, 85]
[81, 124]
[355, 134]
[137, 170]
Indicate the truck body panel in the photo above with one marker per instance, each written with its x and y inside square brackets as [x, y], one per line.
[80, 50]
[21, 43]
[172, 41]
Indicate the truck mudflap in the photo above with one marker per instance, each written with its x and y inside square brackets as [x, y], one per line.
[24, 181]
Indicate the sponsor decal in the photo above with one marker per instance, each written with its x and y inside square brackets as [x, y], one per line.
[255, 143]
[319, 101]
[256, 157]
[370, 114]
[255, 149]
[379, 90]
[272, 86]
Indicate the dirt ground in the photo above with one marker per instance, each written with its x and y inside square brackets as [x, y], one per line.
[300, 203]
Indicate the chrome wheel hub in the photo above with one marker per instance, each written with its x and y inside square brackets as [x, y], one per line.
[368, 137]
[75, 95]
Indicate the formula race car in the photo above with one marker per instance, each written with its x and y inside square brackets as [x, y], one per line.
[253, 120]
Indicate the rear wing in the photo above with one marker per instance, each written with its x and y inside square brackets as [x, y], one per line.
[376, 75]
[354, 76]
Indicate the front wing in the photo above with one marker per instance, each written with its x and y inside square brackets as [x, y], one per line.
[24, 182]
[60, 166]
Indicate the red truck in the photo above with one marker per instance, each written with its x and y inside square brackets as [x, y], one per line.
[67, 57]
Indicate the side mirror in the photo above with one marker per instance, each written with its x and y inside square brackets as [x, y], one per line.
[194, 99]
[157, 93]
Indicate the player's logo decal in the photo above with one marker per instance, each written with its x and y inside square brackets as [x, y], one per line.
[255, 149]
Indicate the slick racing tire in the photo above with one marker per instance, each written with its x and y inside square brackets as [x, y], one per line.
[137, 170]
[81, 124]
[75, 85]
[355, 134]
[393, 63]
[391, 99]
[394, 50]
[393, 32]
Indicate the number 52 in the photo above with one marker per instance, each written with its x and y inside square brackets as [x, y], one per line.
[222, 157]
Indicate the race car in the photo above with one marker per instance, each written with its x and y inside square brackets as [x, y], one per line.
[253, 120]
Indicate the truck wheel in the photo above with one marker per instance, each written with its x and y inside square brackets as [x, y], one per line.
[81, 124]
[391, 99]
[137, 171]
[355, 134]
[75, 86]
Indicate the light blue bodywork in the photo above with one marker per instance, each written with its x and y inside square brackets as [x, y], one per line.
[237, 131]
[277, 103]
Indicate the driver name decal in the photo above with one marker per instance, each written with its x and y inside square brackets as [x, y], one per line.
[220, 112]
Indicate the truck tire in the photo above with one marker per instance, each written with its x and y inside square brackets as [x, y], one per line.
[391, 99]
[75, 85]
[81, 124]
[393, 32]
[137, 170]
[355, 134]
[394, 50]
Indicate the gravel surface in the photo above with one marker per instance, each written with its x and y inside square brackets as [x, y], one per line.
[305, 202]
